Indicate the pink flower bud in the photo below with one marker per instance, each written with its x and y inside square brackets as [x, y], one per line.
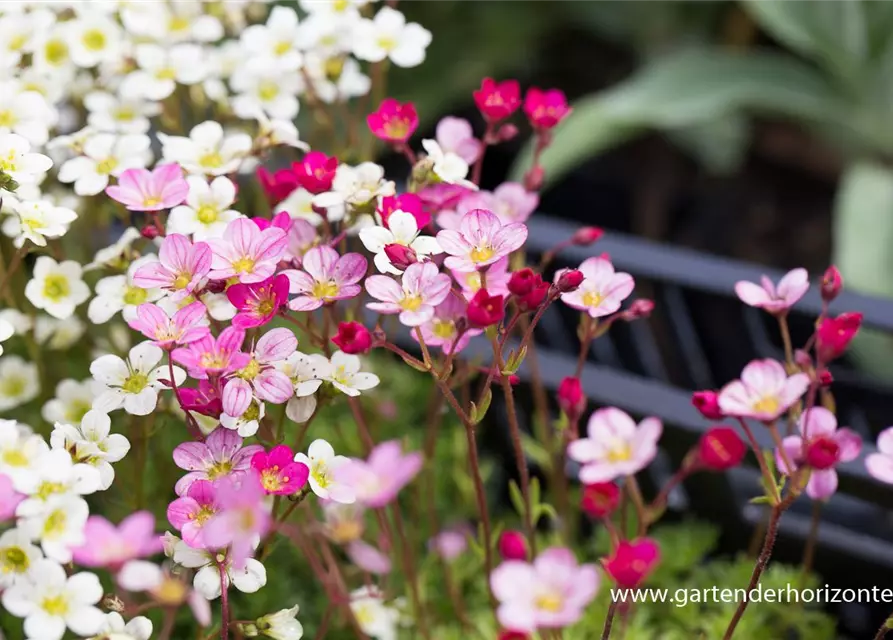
[835, 334]
[721, 448]
[512, 545]
[802, 359]
[150, 232]
[832, 284]
[639, 309]
[822, 453]
[353, 337]
[485, 310]
[522, 281]
[571, 399]
[569, 280]
[506, 132]
[400, 255]
[825, 378]
[533, 179]
[600, 499]
[707, 402]
[586, 236]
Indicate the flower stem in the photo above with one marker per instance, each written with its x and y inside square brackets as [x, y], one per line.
[10, 272]
[811, 540]
[609, 621]
[224, 602]
[635, 495]
[411, 575]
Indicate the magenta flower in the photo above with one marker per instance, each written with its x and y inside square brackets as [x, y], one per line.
[242, 518]
[480, 240]
[204, 399]
[880, 464]
[326, 277]
[601, 291]
[109, 546]
[189, 513]
[378, 479]
[498, 277]
[180, 268]
[455, 135]
[209, 356]
[764, 391]
[394, 121]
[9, 498]
[185, 326]
[259, 376]
[423, 288]
[219, 456]
[825, 447]
[551, 592]
[545, 109]
[144, 190]
[441, 330]
[616, 446]
[258, 302]
[246, 252]
[774, 299]
[279, 473]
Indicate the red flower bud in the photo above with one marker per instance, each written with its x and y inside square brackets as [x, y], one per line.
[506, 132]
[150, 232]
[533, 179]
[569, 280]
[639, 309]
[586, 236]
[508, 634]
[600, 499]
[707, 402]
[721, 448]
[631, 562]
[400, 255]
[534, 298]
[522, 281]
[485, 310]
[498, 100]
[832, 284]
[316, 171]
[825, 378]
[835, 334]
[822, 453]
[352, 337]
[571, 398]
[512, 545]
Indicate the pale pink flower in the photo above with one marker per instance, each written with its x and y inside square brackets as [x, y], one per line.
[302, 236]
[510, 201]
[601, 291]
[189, 513]
[180, 268]
[451, 543]
[260, 377]
[551, 592]
[9, 498]
[185, 326]
[764, 391]
[774, 299]
[454, 135]
[880, 464]
[220, 455]
[616, 446]
[247, 252]
[480, 240]
[825, 447]
[213, 356]
[441, 330]
[368, 558]
[242, 519]
[423, 287]
[109, 546]
[377, 480]
[144, 190]
[326, 277]
[498, 276]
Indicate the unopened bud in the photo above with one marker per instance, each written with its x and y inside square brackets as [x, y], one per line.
[533, 179]
[586, 236]
[149, 232]
[825, 378]
[111, 602]
[512, 545]
[216, 286]
[802, 359]
[707, 403]
[400, 255]
[569, 280]
[639, 309]
[832, 284]
[506, 132]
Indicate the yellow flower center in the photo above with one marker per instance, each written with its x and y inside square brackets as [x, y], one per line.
[177, 23]
[324, 290]
[267, 90]
[56, 287]
[333, 67]
[345, 531]
[282, 47]
[411, 303]
[182, 281]
[135, 382]
[320, 473]
[219, 469]
[203, 514]
[14, 560]
[170, 591]
[620, 453]
[444, 328]
[7, 118]
[340, 5]
[550, 602]
[135, 295]
[212, 160]
[124, 114]
[769, 404]
[243, 265]
[252, 412]
[387, 43]
[265, 307]
[94, 40]
[46, 489]
[55, 52]
[481, 254]
[56, 606]
[14, 457]
[106, 166]
[207, 213]
[13, 386]
[250, 371]
[270, 479]
[76, 411]
[592, 298]
[18, 42]
[152, 201]
[166, 73]
[55, 523]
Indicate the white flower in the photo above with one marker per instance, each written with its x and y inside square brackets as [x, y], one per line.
[113, 628]
[21, 323]
[17, 34]
[17, 555]
[376, 619]
[174, 22]
[73, 400]
[276, 41]
[104, 155]
[207, 209]
[92, 444]
[6, 332]
[323, 465]
[36, 221]
[328, 34]
[55, 476]
[56, 287]
[133, 383]
[113, 255]
[276, 132]
[25, 112]
[162, 68]
[447, 166]
[50, 601]
[336, 79]
[18, 382]
[388, 36]
[58, 334]
[307, 373]
[248, 423]
[59, 526]
[347, 377]
[115, 114]
[353, 187]
[20, 451]
[92, 39]
[402, 229]
[207, 150]
[51, 51]
[261, 83]
[18, 163]
[299, 204]
[249, 579]
[282, 625]
[118, 293]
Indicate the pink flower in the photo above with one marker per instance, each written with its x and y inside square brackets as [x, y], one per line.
[825, 447]
[880, 464]
[377, 480]
[220, 455]
[834, 335]
[408, 203]
[498, 100]
[189, 513]
[551, 592]
[764, 391]
[316, 171]
[632, 562]
[204, 400]
[301, 238]
[180, 268]
[259, 376]
[511, 202]
[616, 446]
[242, 518]
[368, 558]
[326, 277]
[442, 329]
[258, 302]
[279, 474]
[109, 546]
[480, 240]
[277, 186]
[144, 190]
[246, 252]
[545, 109]
[209, 356]
[602, 290]
[451, 543]
[9, 498]
[185, 326]
[498, 277]
[774, 300]
[394, 121]
[454, 135]
[423, 287]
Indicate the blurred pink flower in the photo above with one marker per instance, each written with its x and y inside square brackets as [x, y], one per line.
[480, 240]
[454, 135]
[602, 289]
[180, 268]
[378, 479]
[394, 121]
[764, 391]
[219, 456]
[766, 296]
[185, 326]
[189, 513]
[441, 330]
[242, 519]
[9, 498]
[326, 277]
[880, 464]
[423, 287]
[616, 446]
[144, 190]
[246, 252]
[368, 558]
[109, 546]
[498, 277]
